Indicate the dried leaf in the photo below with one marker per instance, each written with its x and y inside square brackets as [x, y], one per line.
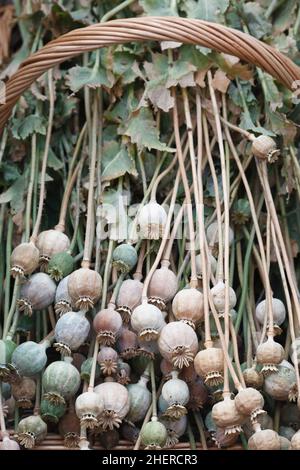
[220, 81]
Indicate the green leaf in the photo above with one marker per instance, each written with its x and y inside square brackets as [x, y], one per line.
[284, 16]
[9, 171]
[195, 57]
[125, 66]
[158, 7]
[208, 10]
[14, 195]
[116, 161]
[256, 22]
[26, 126]
[53, 161]
[79, 77]
[142, 130]
[247, 124]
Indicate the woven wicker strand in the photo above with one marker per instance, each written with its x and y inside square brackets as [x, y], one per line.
[183, 30]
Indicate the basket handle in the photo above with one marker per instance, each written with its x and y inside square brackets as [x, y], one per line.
[184, 30]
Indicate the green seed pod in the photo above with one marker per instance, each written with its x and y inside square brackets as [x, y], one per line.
[241, 212]
[154, 435]
[51, 412]
[31, 431]
[124, 257]
[61, 380]
[85, 370]
[60, 265]
[28, 359]
[6, 391]
[140, 399]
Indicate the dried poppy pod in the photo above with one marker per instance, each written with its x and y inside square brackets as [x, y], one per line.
[265, 439]
[212, 234]
[295, 441]
[62, 298]
[163, 286]
[127, 344]
[37, 293]
[107, 325]
[28, 359]
[209, 364]
[24, 259]
[71, 331]
[223, 440]
[86, 368]
[175, 429]
[154, 435]
[85, 286]
[148, 349]
[227, 417]
[147, 320]
[188, 374]
[116, 404]
[24, 392]
[9, 444]
[129, 297]
[198, 394]
[295, 351]
[124, 257]
[108, 360]
[60, 265]
[178, 344]
[109, 439]
[140, 399]
[49, 243]
[129, 432]
[176, 393]
[264, 148]
[286, 431]
[88, 408]
[285, 444]
[269, 354]
[281, 385]
[212, 265]
[152, 220]
[249, 402]
[31, 431]
[253, 378]
[279, 313]
[61, 380]
[69, 428]
[187, 306]
[51, 412]
[166, 368]
[123, 373]
[218, 297]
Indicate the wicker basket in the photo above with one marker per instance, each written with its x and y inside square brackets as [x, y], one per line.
[182, 30]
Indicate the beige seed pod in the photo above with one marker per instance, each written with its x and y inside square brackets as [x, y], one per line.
[178, 344]
[85, 286]
[24, 392]
[227, 417]
[279, 313]
[269, 354]
[152, 220]
[116, 404]
[249, 402]
[108, 360]
[24, 259]
[265, 439]
[88, 408]
[218, 297]
[212, 234]
[163, 286]
[147, 320]
[253, 378]
[129, 297]
[285, 444]
[49, 243]
[295, 441]
[209, 364]
[280, 385]
[211, 261]
[188, 306]
[264, 148]
[107, 325]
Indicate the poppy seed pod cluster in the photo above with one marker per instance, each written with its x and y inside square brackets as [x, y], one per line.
[149, 268]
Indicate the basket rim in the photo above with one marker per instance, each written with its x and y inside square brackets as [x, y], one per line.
[148, 28]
